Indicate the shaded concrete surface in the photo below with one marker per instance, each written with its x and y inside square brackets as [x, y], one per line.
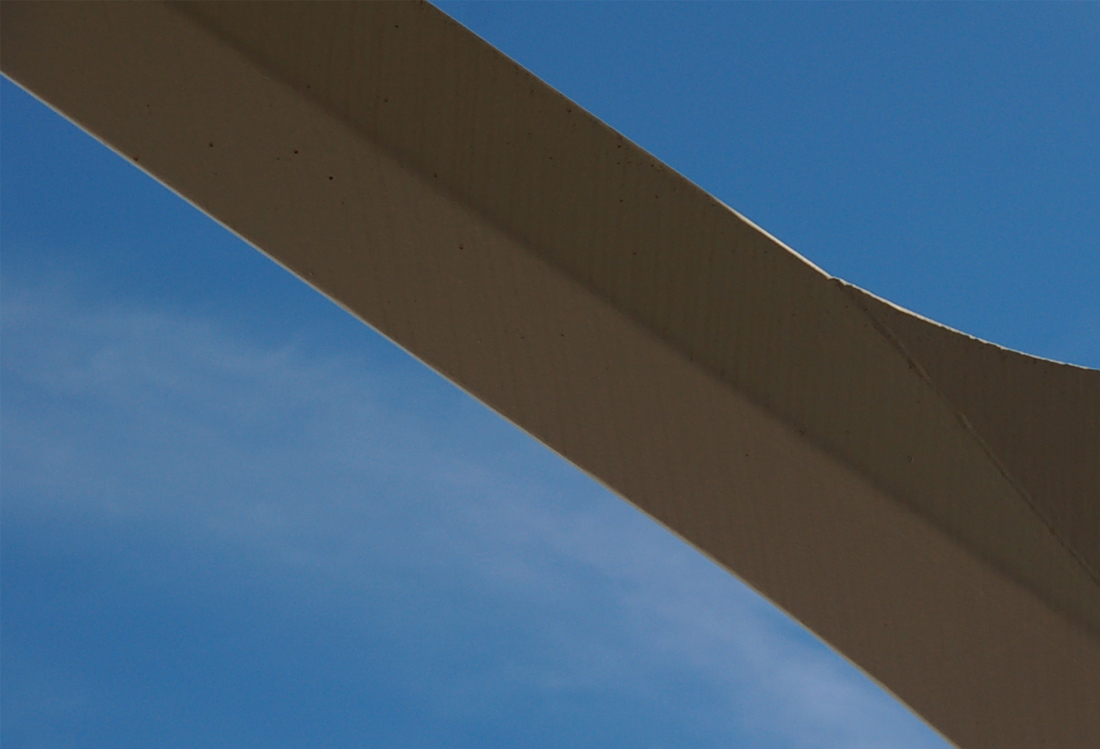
[927, 503]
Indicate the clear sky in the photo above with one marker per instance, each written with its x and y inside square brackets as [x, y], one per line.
[234, 516]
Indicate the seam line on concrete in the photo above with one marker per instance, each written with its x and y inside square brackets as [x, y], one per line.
[854, 293]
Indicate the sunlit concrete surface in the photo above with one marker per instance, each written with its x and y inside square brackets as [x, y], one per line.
[927, 503]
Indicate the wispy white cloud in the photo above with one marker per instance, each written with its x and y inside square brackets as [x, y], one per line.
[322, 466]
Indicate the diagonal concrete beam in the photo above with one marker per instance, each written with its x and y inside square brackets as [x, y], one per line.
[927, 503]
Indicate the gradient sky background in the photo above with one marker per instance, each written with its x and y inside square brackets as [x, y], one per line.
[234, 516]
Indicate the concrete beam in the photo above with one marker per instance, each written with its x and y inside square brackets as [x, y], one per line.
[927, 503]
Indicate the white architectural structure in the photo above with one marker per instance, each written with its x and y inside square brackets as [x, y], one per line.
[927, 503]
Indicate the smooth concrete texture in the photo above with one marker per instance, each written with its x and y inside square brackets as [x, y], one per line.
[926, 503]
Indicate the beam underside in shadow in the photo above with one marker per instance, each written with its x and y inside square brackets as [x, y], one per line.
[825, 447]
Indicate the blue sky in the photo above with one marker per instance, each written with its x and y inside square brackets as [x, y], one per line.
[234, 516]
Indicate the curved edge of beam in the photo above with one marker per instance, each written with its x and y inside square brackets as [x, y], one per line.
[859, 466]
[1038, 419]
